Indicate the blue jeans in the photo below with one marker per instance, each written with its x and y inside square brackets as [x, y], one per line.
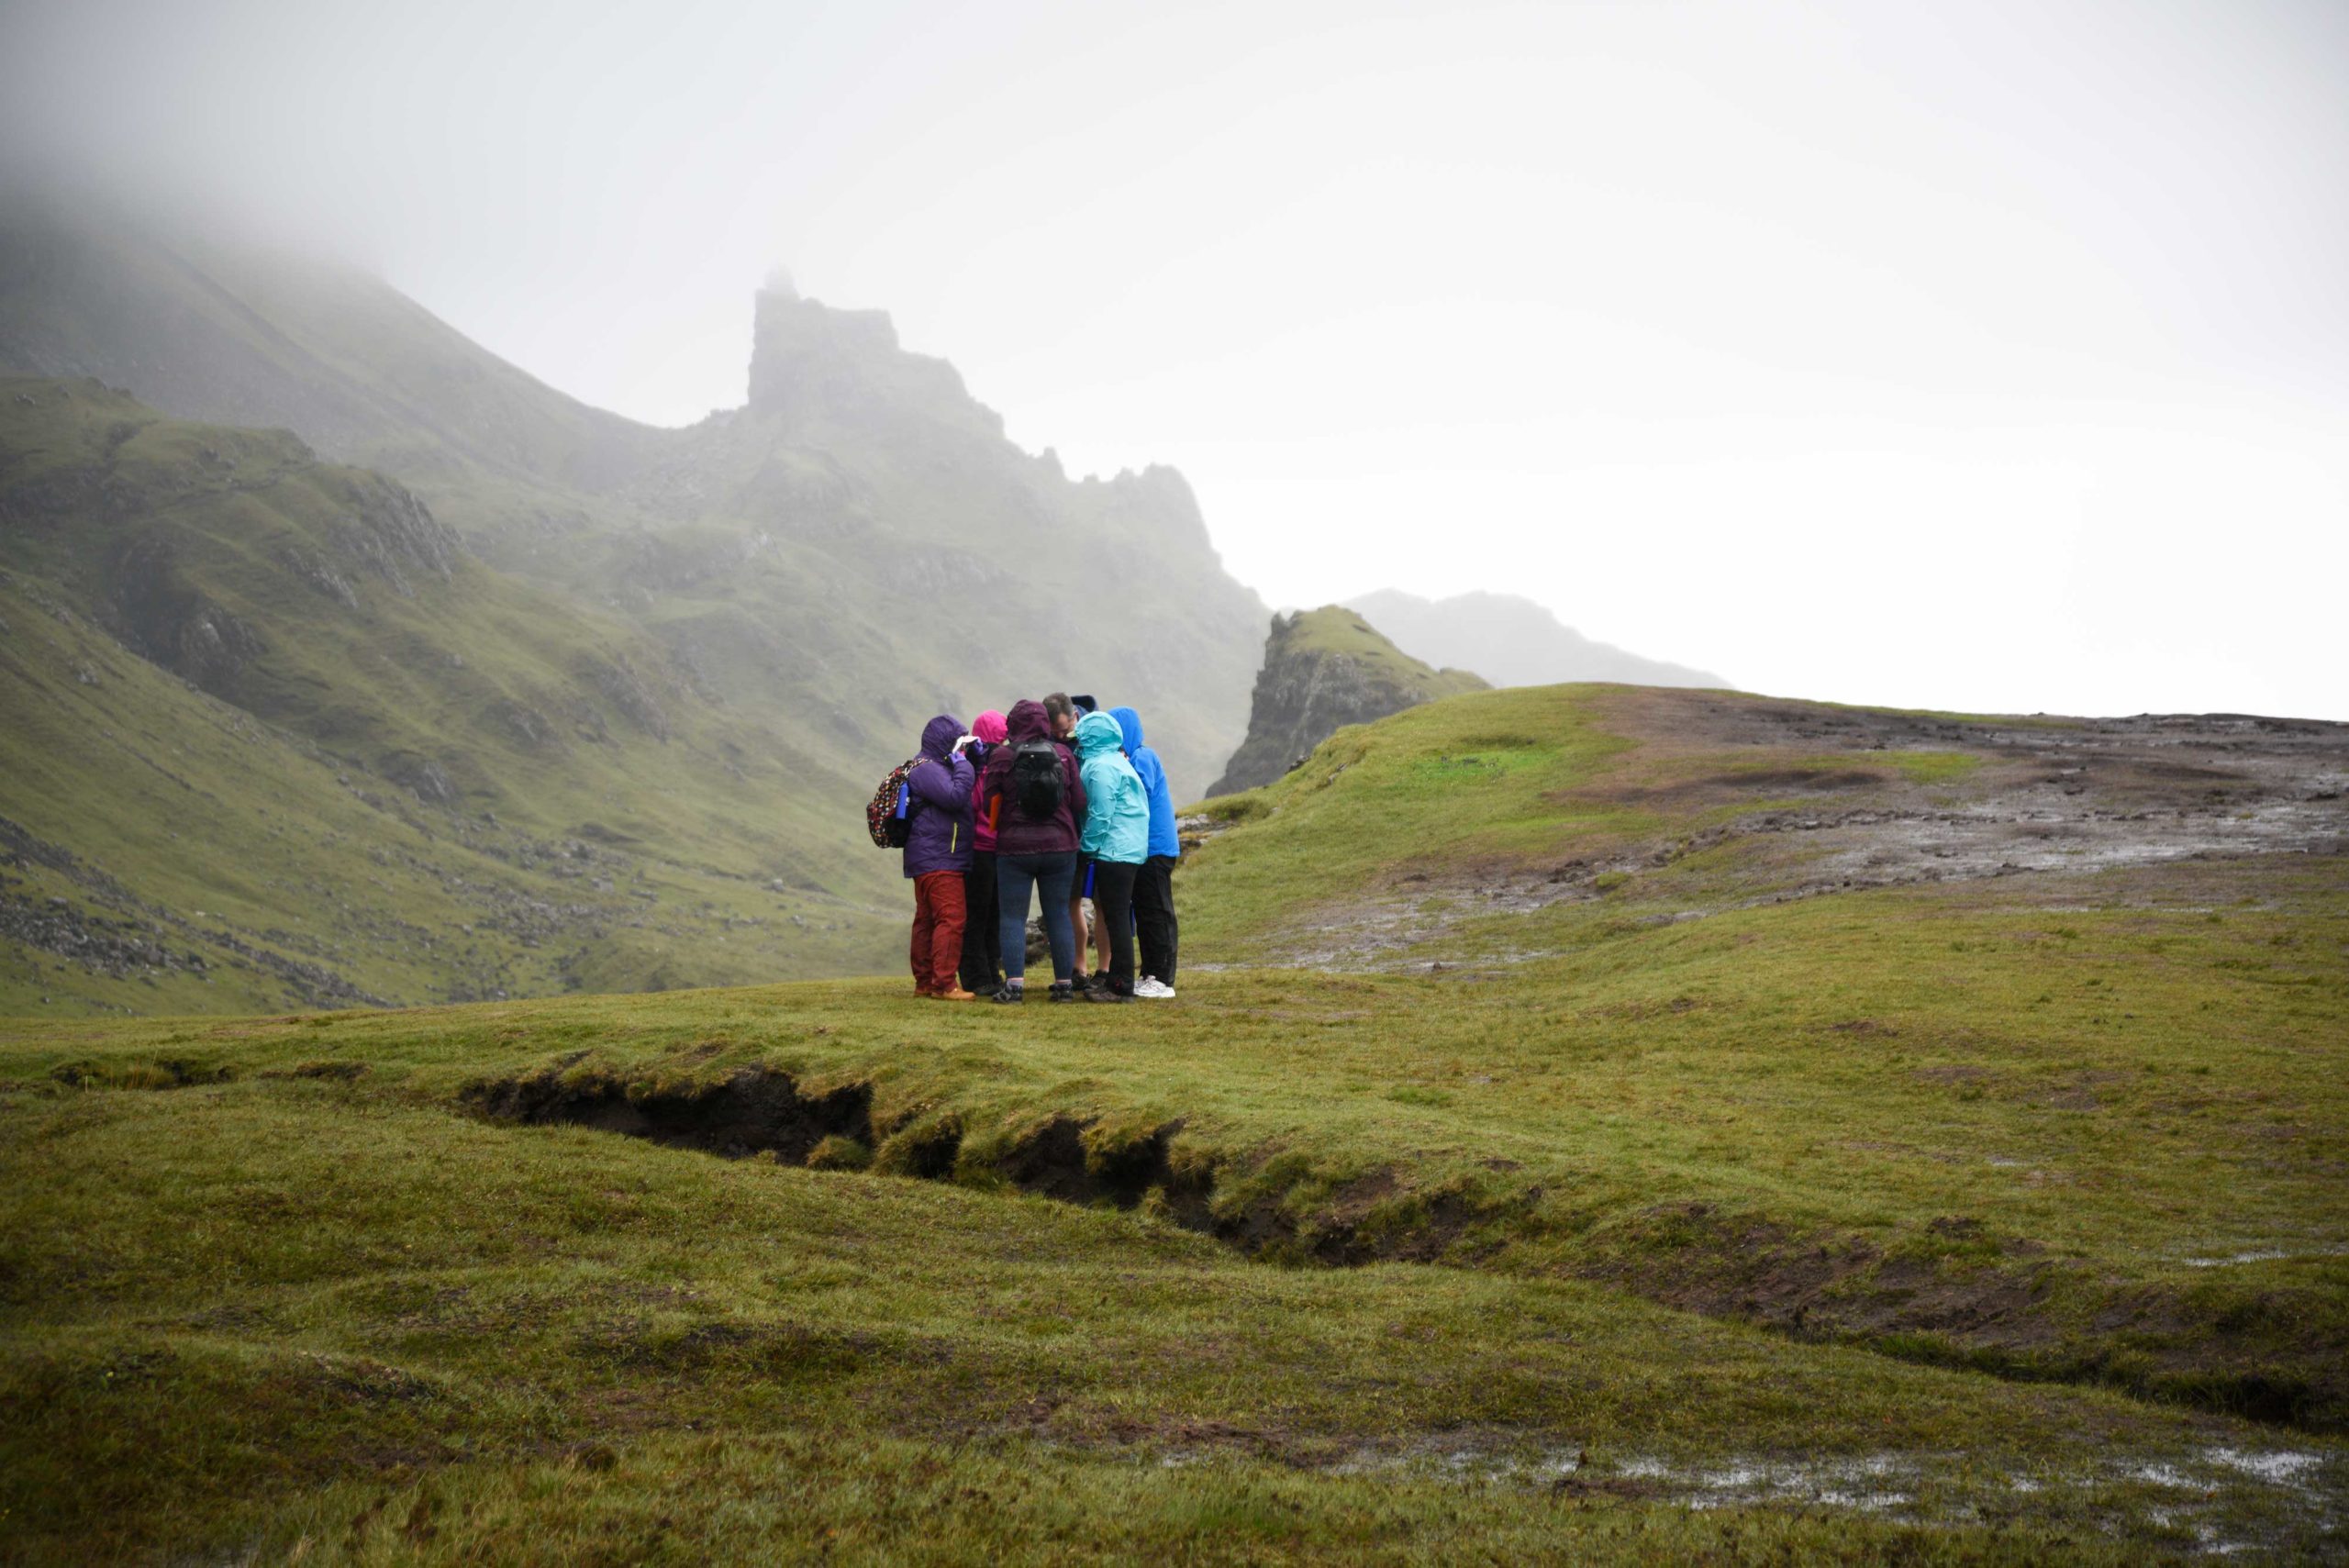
[1049, 875]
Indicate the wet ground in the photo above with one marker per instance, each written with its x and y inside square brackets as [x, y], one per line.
[2220, 1499]
[2048, 794]
[1809, 799]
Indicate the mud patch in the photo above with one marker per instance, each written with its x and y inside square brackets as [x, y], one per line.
[749, 1111]
[762, 1112]
[1069, 1160]
[2216, 1500]
[168, 1072]
[1780, 801]
[1954, 1295]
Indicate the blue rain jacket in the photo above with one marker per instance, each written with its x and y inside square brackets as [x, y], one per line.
[1153, 774]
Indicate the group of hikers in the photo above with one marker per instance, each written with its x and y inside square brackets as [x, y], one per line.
[1057, 800]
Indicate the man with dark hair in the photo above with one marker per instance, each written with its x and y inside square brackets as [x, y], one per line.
[1064, 710]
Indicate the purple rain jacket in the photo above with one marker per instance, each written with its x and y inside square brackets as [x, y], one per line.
[937, 821]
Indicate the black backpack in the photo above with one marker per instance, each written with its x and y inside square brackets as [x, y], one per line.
[1036, 782]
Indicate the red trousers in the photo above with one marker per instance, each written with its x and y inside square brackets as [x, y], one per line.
[937, 931]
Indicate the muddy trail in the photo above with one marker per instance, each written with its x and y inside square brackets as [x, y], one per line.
[2000, 1305]
[1806, 800]
[2047, 794]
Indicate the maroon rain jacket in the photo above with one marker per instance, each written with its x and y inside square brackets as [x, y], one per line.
[1014, 834]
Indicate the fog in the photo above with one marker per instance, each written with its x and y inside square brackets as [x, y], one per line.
[1991, 356]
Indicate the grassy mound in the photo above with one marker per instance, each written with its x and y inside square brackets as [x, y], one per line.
[1661, 1139]
[299, 1311]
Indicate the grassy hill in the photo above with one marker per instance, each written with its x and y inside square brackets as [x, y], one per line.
[233, 335]
[1596, 1122]
[275, 738]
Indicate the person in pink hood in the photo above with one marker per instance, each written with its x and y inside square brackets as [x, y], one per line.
[982, 934]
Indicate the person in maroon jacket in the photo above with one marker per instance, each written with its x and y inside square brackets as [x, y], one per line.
[1031, 791]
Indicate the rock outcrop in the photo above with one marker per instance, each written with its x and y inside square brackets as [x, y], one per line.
[1323, 670]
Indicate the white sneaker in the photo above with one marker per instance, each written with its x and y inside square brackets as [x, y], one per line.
[1157, 990]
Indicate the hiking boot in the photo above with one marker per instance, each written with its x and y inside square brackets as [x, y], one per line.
[1150, 989]
[1108, 994]
[1014, 995]
[955, 996]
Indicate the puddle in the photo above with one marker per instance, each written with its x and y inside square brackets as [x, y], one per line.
[2283, 1468]
[1874, 1484]
[2216, 1501]
[2264, 1256]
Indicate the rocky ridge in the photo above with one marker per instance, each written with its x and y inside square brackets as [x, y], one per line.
[1323, 670]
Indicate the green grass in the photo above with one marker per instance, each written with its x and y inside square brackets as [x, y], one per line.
[2016, 1201]
[1335, 630]
[1433, 789]
[253, 1312]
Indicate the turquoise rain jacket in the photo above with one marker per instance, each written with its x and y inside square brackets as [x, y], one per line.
[1117, 807]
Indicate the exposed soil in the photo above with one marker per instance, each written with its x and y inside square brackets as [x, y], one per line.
[749, 1112]
[761, 1111]
[1958, 1297]
[2047, 795]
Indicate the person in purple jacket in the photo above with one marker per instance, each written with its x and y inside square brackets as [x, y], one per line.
[938, 852]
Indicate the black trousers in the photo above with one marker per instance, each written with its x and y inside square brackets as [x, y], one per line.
[1154, 916]
[982, 928]
[1113, 901]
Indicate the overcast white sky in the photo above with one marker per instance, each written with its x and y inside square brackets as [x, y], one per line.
[1989, 355]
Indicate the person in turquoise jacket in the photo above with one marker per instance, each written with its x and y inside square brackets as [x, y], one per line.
[1117, 836]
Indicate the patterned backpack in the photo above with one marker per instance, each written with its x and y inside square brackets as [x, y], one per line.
[884, 813]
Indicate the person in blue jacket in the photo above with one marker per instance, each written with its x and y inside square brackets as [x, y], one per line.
[1117, 835]
[1155, 884]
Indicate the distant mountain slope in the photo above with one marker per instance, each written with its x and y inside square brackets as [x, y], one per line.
[246, 683]
[1323, 670]
[536, 632]
[857, 548]
[1511, 641]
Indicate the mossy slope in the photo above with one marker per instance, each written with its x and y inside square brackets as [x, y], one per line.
[267, 713]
